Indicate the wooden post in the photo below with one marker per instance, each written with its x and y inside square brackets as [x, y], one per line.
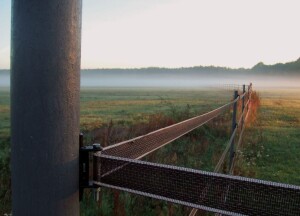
[243, 105]
[248, 98]
[233, 126]
[250, 91]
[45, 86]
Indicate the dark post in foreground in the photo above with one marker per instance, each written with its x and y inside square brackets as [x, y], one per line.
[45, 65]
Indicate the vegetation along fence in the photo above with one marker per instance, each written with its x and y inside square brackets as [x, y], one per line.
[118, 167]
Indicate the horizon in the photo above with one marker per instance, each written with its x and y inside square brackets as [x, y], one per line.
[194, 66]
[188, 77]
[177, 33]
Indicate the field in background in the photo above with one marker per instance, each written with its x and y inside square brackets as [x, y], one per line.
[126, 106]
[272, 143]
[271, 147]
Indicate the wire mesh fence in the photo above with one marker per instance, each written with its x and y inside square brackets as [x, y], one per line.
[143, 145]
[225, 194]
[117, 167]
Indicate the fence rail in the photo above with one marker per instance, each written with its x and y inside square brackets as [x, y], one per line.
[141, 146]
[225, 194]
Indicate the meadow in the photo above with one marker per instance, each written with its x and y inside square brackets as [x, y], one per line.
[272, 142]
[270, 150]
[128, 105]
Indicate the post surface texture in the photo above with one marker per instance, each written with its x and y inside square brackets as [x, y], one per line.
[45, 86]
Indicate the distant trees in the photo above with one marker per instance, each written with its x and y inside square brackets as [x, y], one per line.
[286, 67]
[260, 68]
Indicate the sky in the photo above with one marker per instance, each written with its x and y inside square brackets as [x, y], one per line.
[180, 33]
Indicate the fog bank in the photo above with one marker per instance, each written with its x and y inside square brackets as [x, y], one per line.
[175, 78]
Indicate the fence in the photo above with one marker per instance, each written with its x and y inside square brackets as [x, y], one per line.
[118, 167]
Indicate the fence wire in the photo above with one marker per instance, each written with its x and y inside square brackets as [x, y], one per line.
[224, 194]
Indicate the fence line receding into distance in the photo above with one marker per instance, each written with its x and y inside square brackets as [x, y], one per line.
[118, 166]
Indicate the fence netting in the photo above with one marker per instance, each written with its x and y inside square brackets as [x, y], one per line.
[225, 194]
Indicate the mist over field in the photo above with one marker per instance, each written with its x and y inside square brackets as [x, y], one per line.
[4, 78]
[262, 76]
[183, 78]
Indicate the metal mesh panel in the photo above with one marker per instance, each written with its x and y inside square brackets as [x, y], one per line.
[143, 145]
[231, 195]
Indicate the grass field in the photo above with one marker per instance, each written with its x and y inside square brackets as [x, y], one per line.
[273, 151]
[126, 106]
[271, 147]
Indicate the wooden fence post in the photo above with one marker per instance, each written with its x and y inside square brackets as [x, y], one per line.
[243, 105]
[233, 126]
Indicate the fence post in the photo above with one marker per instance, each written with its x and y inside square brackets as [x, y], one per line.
[233, 126]
[250, 91]
[45, 87]
[243, 105]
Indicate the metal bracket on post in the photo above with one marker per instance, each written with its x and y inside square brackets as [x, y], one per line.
[84, 165]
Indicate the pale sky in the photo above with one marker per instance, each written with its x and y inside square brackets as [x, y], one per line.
[180, 33]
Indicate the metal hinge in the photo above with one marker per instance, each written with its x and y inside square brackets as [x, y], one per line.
[84, 166]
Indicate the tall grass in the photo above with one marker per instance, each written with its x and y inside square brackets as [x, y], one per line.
[271, 149]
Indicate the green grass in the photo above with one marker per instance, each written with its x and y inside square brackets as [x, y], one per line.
[128, 105]
[272, 148]
[4, 114]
